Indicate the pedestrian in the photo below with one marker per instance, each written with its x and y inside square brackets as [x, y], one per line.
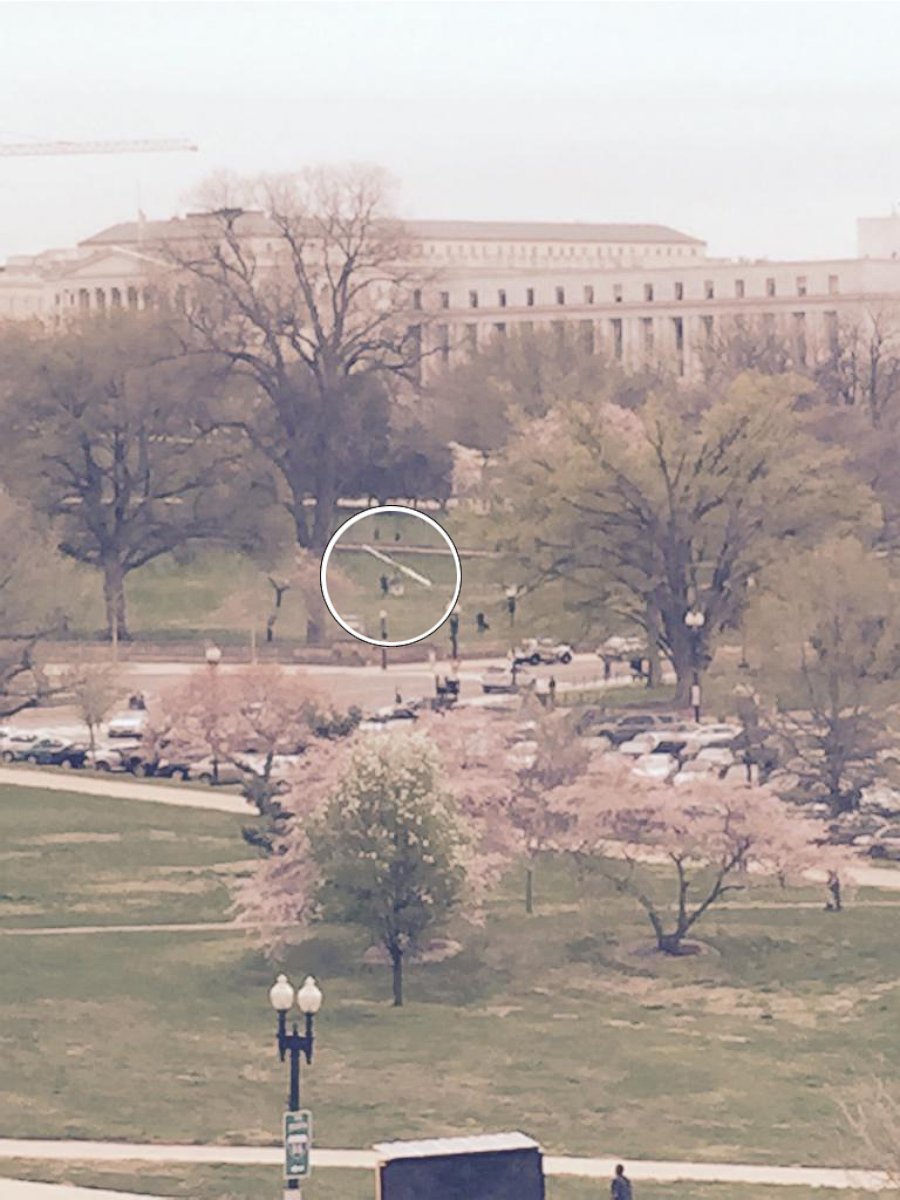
[396, 535]
[834, 888]
[551, 688]
[385, 584]
[620, 1188]
[398, 699]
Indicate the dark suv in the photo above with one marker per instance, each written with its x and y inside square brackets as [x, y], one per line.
[617, 730]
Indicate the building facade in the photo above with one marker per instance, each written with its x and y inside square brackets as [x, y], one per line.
[635, 293]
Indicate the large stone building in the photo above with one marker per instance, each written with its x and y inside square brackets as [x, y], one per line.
[634, 292]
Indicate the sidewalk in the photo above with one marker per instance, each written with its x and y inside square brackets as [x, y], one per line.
[15, 1189]
[584, 1168]
[119, 789]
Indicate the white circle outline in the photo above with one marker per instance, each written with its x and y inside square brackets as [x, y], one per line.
[371, 512]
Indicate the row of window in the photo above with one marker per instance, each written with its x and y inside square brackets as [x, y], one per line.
[647, 334]
[518, 251]
[650, 293]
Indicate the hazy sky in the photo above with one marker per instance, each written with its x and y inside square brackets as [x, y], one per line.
[766, 128]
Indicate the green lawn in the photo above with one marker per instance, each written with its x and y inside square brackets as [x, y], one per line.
[253, 1183]
[552, 1024]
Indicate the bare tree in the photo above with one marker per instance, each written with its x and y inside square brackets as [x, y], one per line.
[307, 294]
[862, 367]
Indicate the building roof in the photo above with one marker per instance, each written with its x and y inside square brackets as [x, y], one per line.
[547, 231]
[479, 1143]
[128, 232]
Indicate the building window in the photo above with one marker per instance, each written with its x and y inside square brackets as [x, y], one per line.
[443, 335]
[707, 324]
[739, 289]
[679, 291]
[560, 295]
[617, 293]
[833, 285]
[445, 299]
[529, 297]
[501, 298]
[417, 298]
[800, 338]
[770, 287]
[473, 299]
[768, 324]
[500, 328]
[84, 298]
[588, 294]
[801, 285]
[831, 330]
[709, 289]
[472, 339]
[586, 331]
[647, 334]
[616, 324]
[648, 291]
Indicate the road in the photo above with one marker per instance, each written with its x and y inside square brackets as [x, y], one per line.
[368, 687]
[584, 1168]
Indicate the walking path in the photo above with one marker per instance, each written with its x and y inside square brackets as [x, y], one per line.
[120, 789]
[18, 1189]
[585, 1168]
[386, 558]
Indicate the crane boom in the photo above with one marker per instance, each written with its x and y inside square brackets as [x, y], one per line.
[21, 149]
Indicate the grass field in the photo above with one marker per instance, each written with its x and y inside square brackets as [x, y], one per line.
[254, 1183]
[551, 1024]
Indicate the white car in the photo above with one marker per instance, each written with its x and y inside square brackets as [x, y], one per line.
[621, 647]
[12, 743]
[392, 715]
[130, 725]
[696, 772]
[640, 744]
[208, 771]
[660, 767]
[500, 679]
[537, 651]
[717, 756]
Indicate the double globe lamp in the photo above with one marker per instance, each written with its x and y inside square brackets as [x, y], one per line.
[309, 1000]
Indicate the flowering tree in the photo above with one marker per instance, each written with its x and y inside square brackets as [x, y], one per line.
[709, 836]
[380, 845]
[247, 720]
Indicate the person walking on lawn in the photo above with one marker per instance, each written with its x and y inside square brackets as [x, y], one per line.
[620, 1188]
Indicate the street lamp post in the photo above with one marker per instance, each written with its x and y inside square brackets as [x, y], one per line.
[295, 1044]
[384, 633]
[454, 633]
[213, 658]
[694, 619]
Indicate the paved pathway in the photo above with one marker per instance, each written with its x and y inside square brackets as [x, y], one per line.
[121, 789]
[585, 1168]
[15, 1189]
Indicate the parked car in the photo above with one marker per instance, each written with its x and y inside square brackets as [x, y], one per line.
[537, 651]
[639, 745]
[655, 766]
[617, 730]
[165, 768]
[214, 771]
[113, 758]
[12, 743]
[388, 715]
[50, 752]
[622, 647]
[127, 725]
[702, 736]
[499, 679]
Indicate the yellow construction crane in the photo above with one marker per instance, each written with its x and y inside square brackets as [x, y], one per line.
[21, 149]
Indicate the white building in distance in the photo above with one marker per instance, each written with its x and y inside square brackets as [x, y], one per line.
[635, 292]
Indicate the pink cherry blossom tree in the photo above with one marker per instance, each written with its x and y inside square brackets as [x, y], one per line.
[708, 839]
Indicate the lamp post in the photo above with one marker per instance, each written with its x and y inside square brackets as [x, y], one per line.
[213, 658]
[454, 632]
[744, 665]
[384, 632]
[694, 619]
[309, 1001]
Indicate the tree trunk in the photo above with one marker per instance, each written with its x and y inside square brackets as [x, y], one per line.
[653, 666]
[114, 600]
[670, 943]
[529, 889]
[397, 974]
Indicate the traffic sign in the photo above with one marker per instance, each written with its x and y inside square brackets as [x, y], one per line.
[297, 1144]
